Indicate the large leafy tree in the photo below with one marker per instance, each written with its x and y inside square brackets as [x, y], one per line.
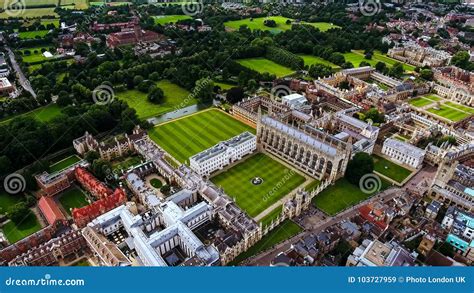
[361, 164]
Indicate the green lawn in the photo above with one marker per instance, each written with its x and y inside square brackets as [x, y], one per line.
[310, 60]
[73, 198]
[15, 232]
[284, 231]
[32, 13]
[356, 57]
[281, 25]
[341, 195]
[278, 181]
[192, 134]
[432, 97]
[63, 164]
[124, 164]
[263, 65]
[175, 98]
[43, 114]
[311, 186]
[33, 34]
[460, 107]
[271, 216]
[449, 113]
[390, 169]
[81, 263]
[164, 19]
[155, 182]
[420, 102]
[225, 86]
[7, 201]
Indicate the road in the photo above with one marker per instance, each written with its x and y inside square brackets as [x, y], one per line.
[25, 83]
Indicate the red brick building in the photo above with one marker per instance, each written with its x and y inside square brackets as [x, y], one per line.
[117, 25]
[92, 184]
[131, 37]
[51, 212]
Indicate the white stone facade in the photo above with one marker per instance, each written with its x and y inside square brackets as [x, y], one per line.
[403, 152]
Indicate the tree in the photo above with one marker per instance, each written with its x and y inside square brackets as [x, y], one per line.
[381, 66]
[101, 169]
[203, 90]
[156, 95]
[319, 70]
[18, 212]
[426, 74]
[364, 63]
[461, 59]
[396, 70]
[374, 115]
[235, 95]
[269, 23]
[361, 164]
[91, 156]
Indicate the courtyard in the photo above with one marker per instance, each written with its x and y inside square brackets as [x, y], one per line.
[192, 134]
[16, 231]
[390, 169]
[73, 198]
[276, 181]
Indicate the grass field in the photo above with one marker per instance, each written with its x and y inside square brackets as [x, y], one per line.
[43, 114]
[7, 201]
[15, 232]
[285, 230]
[126, 163]
[36, 54]
[190, 135]
[225, 86]
[340, 196]
[356, 57]
[78, 4]
[32, 13]
[164, 19]
[175, 97]
[390, 169]
[311, 186]
[278, 181]
[460, 107]
[263, 65]
[33, 34]
[420, 102]
[281, 25]
[310, 60]
[72, 198]
[449, 113]
[267, 220]
[58, 166]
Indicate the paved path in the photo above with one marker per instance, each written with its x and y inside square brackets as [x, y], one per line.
[25, 83]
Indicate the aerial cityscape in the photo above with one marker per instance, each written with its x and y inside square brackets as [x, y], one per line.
[237, 133]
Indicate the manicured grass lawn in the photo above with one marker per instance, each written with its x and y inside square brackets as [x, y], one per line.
[263, 65]
[124, 164]
[449, 113]
[390, 169]
[77, 4]
[164, 19]
[432, 97]
[278, 181]
[420, 102]
[281, 25]
[311, 186]
[225, 86]
[73, 198]
[267, 220]
[175, 97]
[341, 195]
[460, 107]
[15, 232]
[33, 34]
[310, 60]
[356, 57]
[400, 138]
[64, 163]
[43, 114]
[33, 13]
[190, 135]
[285, 230]
[7, 201]
[155, 182]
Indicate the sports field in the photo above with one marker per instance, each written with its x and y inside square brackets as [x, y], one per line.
[340, 196]
[175, 97]
[35, 54]
[263, 65]
[192, 134]
[63, 164]
[420, 102]
[285, 230]
[17, 231]
[310, 60]
[449, 113]
[356, 57]
[278, 181]
[72, 198]
[281, 25]
[390, 169]
[164, 19]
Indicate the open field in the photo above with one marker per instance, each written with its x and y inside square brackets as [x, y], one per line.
[43, 114]
[15, 232]
[35, 54]
[340, 196]
[164, 19]
[33, 34]
[285, 230]
[44, 22]
[32, 13]
[263, 65]
[72, 198]
[310, 60]
[460, 107]
[225, 86]
[356, 57]
[190, 135]
[281, 25]
[78, 4]
[175, 97]
[7, 201]
[390, 169]
[63, 164]
[278, 181]
[449, 113]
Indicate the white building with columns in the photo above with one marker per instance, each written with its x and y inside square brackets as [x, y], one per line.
[403, 152]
